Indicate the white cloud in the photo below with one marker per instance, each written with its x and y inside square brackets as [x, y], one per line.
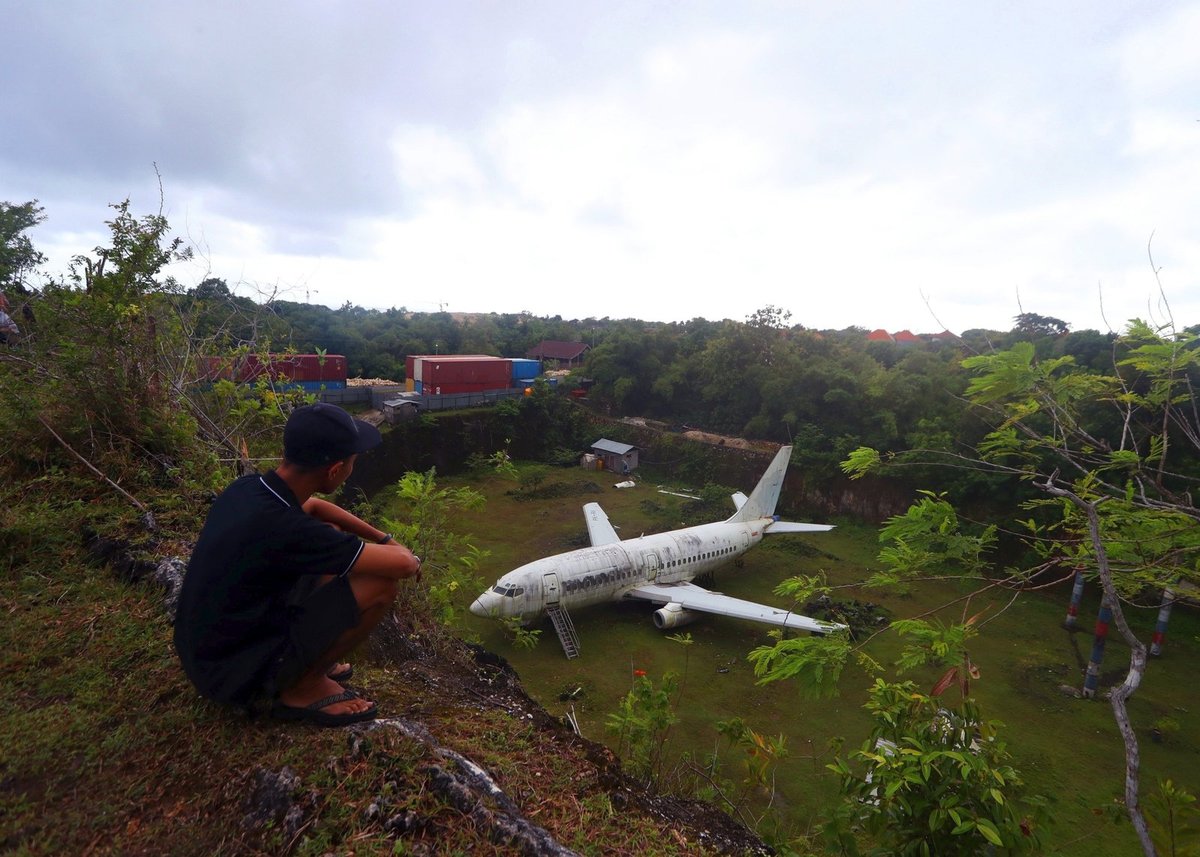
[431, 161]
[1160, 57]
[662, 162]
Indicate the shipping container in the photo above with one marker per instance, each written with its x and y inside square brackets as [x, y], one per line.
[524, 369]
[412, 362]
[313, 386]
[494, 372]
[453, 388]
[295, 367]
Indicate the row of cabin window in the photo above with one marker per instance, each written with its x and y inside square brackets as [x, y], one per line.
[572, 585]
[674, 562]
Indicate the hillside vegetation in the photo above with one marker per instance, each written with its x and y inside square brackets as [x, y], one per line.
[1045, 453]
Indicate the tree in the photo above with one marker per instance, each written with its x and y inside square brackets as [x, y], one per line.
[1032, 324]
[933, 779]
[1115, 459]
[106, 338]
[108, 385]
[17, 253]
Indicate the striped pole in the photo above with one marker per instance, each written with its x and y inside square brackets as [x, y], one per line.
[1160, 628]
[1092, 678]
[1076, 598]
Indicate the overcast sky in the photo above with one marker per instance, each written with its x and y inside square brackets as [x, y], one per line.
[886, 164]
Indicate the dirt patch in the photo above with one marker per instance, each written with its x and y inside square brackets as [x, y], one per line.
[729, 441]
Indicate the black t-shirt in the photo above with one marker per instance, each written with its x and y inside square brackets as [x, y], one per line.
[232, 621]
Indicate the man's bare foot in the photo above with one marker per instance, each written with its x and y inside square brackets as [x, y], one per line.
[306, 692]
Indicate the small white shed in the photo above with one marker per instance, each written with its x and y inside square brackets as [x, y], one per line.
[617, 457]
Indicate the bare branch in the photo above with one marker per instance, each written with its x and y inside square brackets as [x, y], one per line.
[147, 515]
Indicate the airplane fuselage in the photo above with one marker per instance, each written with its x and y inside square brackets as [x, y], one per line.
[605, 573]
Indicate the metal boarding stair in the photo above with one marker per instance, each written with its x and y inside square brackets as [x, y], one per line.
[565, 630]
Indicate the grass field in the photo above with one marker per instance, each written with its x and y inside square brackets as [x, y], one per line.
[1067, 749]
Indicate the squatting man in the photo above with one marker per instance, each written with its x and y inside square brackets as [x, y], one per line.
[282, 585]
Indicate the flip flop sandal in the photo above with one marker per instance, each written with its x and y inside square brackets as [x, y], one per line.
[313, 713]
[342, 675]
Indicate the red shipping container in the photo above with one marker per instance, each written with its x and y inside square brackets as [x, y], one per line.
[415, 364]
[314, 367]
[335, 368]
[293, 367]
[466, 373]
[492, 372]
[308, 367]
[247, 369]
[455, 388]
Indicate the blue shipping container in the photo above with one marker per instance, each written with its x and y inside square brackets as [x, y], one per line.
[315, 386]
[525, 370]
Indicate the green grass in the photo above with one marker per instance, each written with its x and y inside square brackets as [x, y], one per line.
[109, 750]
[1067, 749]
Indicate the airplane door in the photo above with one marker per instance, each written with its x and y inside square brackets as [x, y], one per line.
[650, 564]
[550, 588]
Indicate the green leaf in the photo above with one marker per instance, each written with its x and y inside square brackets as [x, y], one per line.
[989, 831]
[861, 462]
[815, 662]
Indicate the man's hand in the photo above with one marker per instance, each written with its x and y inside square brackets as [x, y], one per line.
[392, 560]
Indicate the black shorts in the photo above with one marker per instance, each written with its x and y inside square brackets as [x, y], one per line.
[318, 614]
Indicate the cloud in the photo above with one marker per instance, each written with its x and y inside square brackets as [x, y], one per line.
[663, 161]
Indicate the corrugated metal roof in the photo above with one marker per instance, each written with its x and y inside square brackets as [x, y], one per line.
[612, 446]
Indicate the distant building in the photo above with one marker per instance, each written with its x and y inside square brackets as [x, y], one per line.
[907, 337]
[617, 457]
[944, 336]
[568, 353]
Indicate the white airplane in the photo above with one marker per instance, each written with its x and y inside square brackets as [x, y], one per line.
[657, 568]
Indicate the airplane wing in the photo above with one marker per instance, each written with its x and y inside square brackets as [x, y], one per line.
[777, 527]
[689, 596]
[600, 531]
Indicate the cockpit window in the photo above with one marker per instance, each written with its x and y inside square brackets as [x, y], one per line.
[508, 590]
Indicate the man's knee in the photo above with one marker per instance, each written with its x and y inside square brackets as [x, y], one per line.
[372, 592]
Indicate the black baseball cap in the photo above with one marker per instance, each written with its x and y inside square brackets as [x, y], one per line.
[324, 433]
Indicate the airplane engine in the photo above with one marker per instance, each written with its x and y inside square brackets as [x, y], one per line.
[673, 616]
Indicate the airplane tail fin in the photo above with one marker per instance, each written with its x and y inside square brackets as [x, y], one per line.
[762, 500]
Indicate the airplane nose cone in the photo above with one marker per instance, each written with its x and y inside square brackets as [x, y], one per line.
[485, 605]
